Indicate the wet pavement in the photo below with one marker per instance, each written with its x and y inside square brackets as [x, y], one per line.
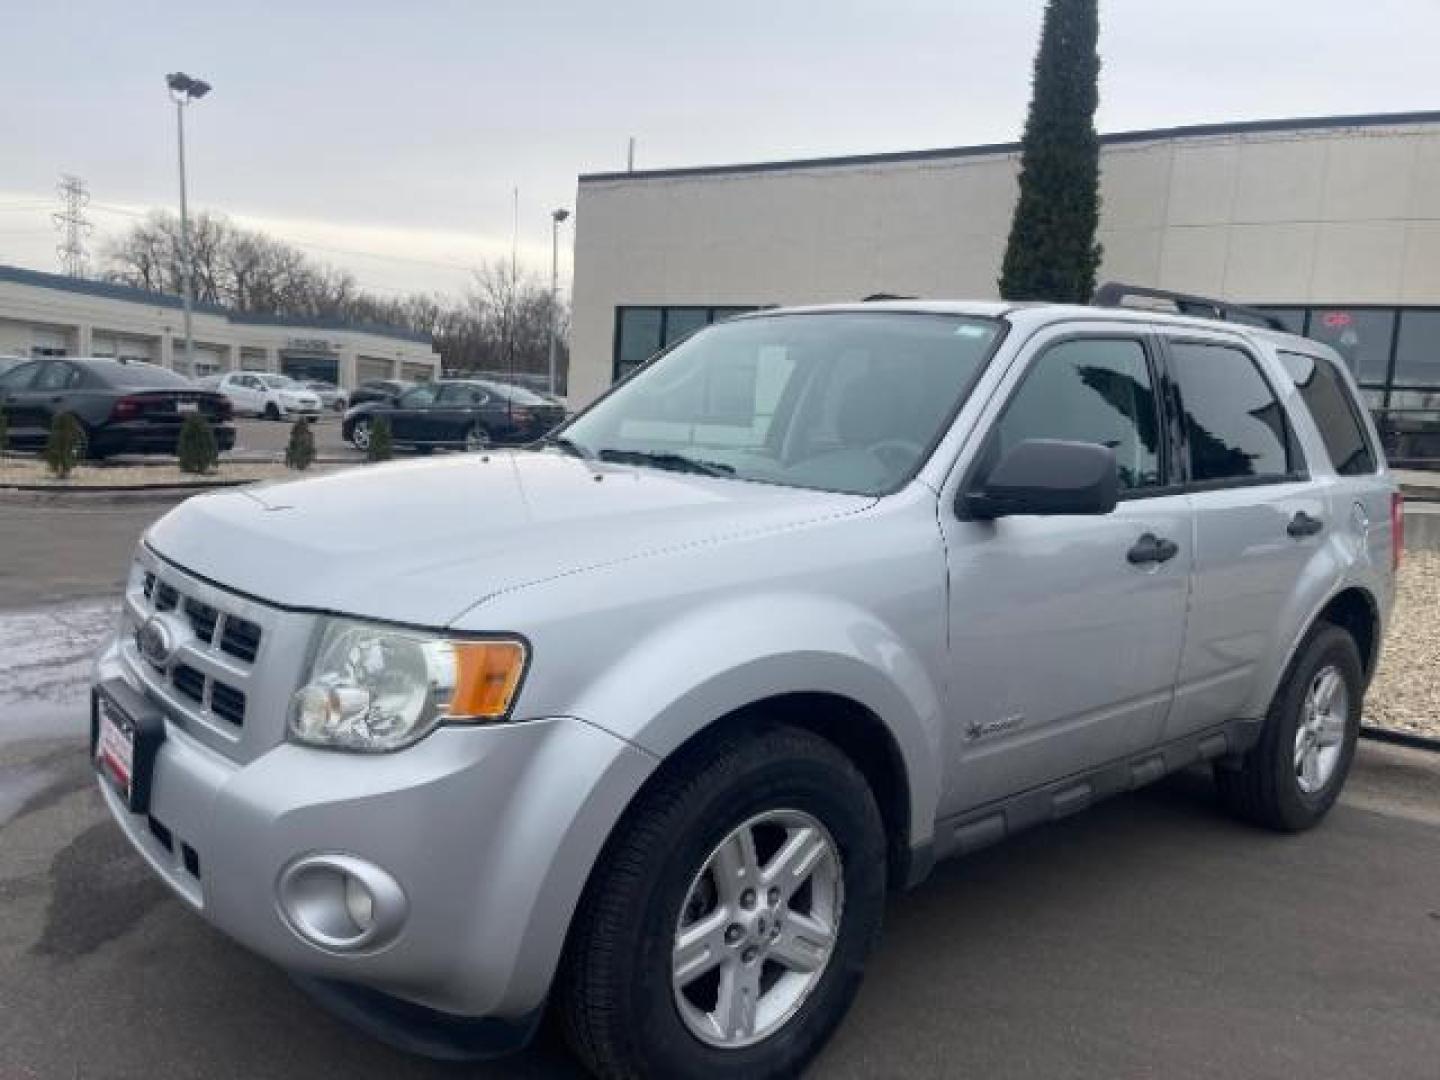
[1150, 937]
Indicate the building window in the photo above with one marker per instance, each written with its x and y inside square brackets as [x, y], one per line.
[641, 332]
[1362, 336]
[1292, 318]
[1417, 349]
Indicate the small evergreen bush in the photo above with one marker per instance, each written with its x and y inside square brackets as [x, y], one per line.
[382, 446]
[65, 446]
[300, 450]
[197, 451]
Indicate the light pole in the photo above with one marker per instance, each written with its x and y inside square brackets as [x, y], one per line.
[183, 90]
[556, 217]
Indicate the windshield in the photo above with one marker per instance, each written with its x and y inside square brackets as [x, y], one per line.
[839, 401]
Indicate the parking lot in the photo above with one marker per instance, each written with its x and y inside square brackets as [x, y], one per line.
[1152, 937]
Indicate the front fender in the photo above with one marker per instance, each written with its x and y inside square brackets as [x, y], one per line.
[687, 673]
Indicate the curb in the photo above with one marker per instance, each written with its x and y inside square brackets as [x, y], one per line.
[1401, 738]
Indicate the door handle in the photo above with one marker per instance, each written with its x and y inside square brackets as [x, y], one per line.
[1152, 549]
[1302, 524]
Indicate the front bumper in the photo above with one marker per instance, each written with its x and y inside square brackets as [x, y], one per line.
[490, 831]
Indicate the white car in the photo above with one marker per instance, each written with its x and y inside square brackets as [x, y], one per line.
[259, 393]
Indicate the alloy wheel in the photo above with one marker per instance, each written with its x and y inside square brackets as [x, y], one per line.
[477, 438]
[757, 928]
[1320, 735]
[360, 435]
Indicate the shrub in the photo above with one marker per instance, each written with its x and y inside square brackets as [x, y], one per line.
[65, 446]
[197, 451]
[300, 450]
[382, 447]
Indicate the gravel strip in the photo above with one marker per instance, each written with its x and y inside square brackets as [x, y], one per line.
[1405, 695]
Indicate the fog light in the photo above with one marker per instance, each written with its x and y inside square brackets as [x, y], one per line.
[341, 903]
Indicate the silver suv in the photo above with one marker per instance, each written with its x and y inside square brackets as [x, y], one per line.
[639, 724]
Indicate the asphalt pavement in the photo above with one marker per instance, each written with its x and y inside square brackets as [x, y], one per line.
[1150, 937]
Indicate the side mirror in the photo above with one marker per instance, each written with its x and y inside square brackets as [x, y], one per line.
[1047, 476]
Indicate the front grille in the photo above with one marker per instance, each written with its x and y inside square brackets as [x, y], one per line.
[240, 639]
[189, 682]
[227, 703]
[202, 619]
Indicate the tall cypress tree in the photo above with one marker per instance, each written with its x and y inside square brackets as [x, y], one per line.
[1052, 253]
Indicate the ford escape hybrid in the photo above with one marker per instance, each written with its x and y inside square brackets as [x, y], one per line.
[638, 724]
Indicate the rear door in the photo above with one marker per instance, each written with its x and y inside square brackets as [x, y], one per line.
[1259, 520]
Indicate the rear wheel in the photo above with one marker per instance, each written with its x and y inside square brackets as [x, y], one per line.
[1292, 777]
[725, 929]
[477, 438]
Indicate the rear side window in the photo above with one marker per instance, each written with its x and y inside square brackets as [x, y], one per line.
[1094, 390]
[1335, 412]
[1234, 425]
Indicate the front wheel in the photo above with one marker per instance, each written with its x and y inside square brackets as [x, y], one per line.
[1292, 777]
[725, 929]
[360, 434]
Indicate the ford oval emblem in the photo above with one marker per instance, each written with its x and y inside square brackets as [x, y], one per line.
[156, 641]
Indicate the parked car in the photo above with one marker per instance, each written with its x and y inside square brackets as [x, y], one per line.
[640, 724]
[122, 406]
[465, 413]
[259, 393]
[332, 397]
[378, 390]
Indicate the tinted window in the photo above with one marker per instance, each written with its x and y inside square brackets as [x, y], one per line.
[1362, 336]
[1095, 391]
[461, 394]
[1235, 426]
[57, 377]
[138, 375]
[1417, 355]
[516, 395]
[1336, 414]
[19, 378]
[419, 397]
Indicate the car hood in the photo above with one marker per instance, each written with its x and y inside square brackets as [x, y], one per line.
[424, 541]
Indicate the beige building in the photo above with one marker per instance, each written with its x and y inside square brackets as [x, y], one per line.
[1333, 222]
[51, 315]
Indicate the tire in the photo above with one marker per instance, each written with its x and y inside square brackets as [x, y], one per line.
[1268, 787]
[272, 411]
[623, 1012]
[477, 439]
[360, 434]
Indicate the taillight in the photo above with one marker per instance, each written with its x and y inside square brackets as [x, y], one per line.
[125, 408]
[1397, 529]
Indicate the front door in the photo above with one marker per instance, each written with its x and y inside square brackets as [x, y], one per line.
[410, 420]
[1066, 631]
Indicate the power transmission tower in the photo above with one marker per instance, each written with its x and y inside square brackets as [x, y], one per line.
[70, 221]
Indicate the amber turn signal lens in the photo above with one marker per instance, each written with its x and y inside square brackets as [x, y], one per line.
[486, 677]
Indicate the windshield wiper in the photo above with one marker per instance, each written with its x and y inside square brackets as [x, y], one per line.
[567, 445]
[667, 460]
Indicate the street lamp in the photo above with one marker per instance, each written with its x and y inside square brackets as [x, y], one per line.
[183, 90]
[556, 217]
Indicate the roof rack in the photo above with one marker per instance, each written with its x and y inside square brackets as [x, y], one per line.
[1115, 294]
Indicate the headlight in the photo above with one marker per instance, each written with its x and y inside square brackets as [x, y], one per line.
[377, 688]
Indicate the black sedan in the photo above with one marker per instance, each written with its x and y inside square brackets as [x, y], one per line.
[122, 407]
[378, 390]
[466, 413]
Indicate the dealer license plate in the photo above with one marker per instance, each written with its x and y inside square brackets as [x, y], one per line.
[187, 406]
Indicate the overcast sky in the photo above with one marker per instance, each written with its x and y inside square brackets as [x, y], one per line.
[388, 137]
